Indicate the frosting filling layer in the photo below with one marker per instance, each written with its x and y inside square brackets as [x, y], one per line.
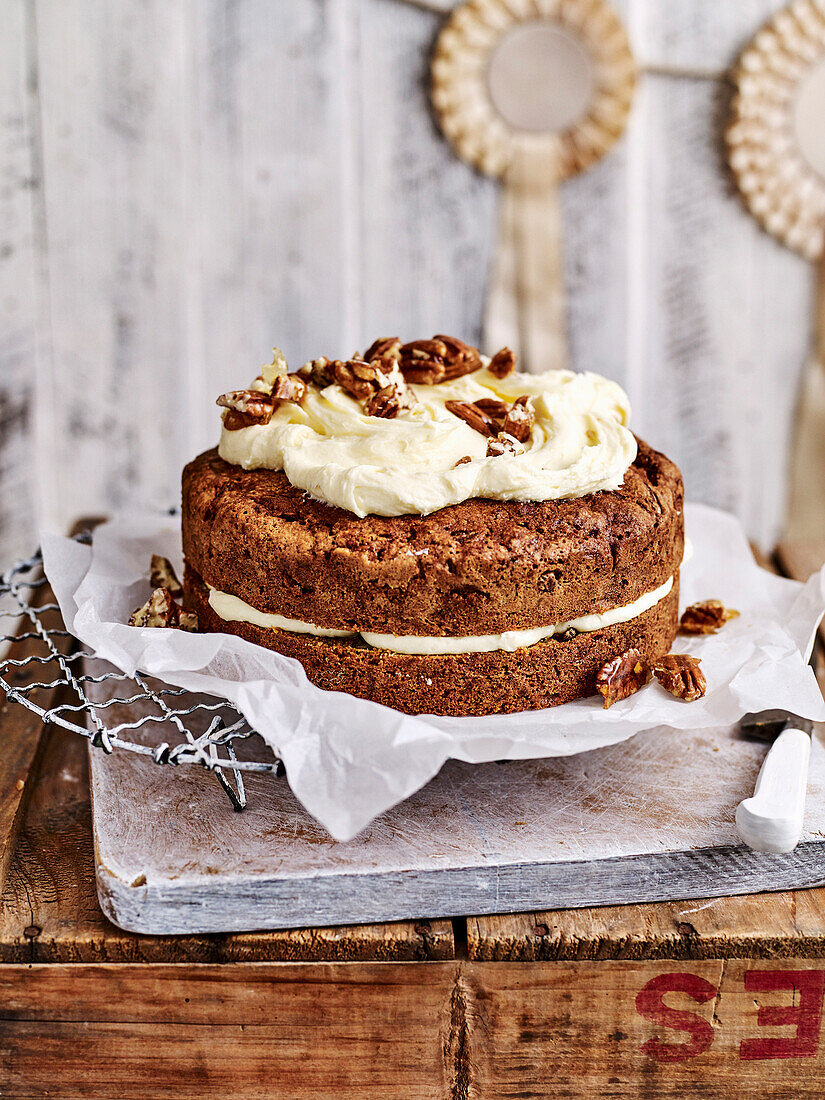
[427, 458]
[232, 609]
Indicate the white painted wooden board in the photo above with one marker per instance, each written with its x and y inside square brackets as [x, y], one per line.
[218, 177]
[648, 820]
[19, 180]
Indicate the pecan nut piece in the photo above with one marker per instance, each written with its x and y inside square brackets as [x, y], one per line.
[679, 673]
[187, 620]
[289, 387]
[357, 378]
[706, 617]
[254, 407]
[422, 362]
[493, 407]
[159, 610]
[162, 575]
[622, 676]
[275, 369]
[520, 419]
[503, 363]
[384, 404]
[317, 371]
[503, 444]
[389, 347]
[460, 359]
[474, 416]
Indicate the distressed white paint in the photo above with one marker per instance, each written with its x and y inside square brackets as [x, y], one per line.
[18, 181]
[630, 822]
[225, 175]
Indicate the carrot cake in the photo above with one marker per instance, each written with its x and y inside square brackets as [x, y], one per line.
[433, 530]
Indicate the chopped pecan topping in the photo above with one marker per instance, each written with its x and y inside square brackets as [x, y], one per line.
[422, 361]
[357, 378]
[474, 416]
[159, 610]
[318, 371]
[254, 408]
[461, 461]
[289, 387]
[385, 403]
[387, 348]
[275, 369]
[622, 676]
[503, 363]
[162, 575]
[248, 407]
[461, 358]
[706, 617]
[379, 384]
[427, 362]
[493, 407]
[510, 423]
[187, 620]
[520, 419]
[503, 444]
[679, 673]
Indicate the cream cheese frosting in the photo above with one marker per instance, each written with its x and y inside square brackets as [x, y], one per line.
[232, 609]
[367, 465]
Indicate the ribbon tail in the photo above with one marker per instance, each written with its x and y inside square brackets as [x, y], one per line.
[526, 306]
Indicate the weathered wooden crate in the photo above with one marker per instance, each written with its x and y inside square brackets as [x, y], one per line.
[718, 997]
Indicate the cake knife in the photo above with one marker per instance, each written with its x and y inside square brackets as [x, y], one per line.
[771, 820]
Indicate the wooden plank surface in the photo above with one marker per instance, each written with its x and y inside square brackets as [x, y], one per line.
[219, 177]
[774, 925]
[20, 197]
[498, 839]
[243, 1031]
[50, 910]
[21, 730]
[759, 926]
[452, 1030]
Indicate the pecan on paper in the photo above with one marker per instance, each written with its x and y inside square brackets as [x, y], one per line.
[622, 676]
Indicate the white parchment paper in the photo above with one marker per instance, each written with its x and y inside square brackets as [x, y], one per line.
[348, 760]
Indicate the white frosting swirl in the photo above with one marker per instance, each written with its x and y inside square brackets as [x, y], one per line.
[331, 449]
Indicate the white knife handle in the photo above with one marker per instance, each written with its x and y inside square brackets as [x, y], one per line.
[771, 821]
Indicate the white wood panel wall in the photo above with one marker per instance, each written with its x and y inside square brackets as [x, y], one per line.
[186, 182]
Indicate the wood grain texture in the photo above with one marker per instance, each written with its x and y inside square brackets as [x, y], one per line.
[452, 1030]
[112, 92]
[759, 925]
[240, 1030]
[19, 183]
[22, 734]
[755, 926]
[700, 35]
[220, 177]
[50, 911]
[723, 310]
[531, 834]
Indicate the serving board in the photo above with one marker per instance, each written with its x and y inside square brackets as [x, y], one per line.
[651, 819]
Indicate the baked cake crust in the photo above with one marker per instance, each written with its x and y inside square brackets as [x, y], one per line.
[479, 567]
[466, 684]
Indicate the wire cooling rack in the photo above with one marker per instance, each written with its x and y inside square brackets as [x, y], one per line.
[45, 670]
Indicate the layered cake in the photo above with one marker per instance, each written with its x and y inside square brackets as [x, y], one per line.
[433, 530]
